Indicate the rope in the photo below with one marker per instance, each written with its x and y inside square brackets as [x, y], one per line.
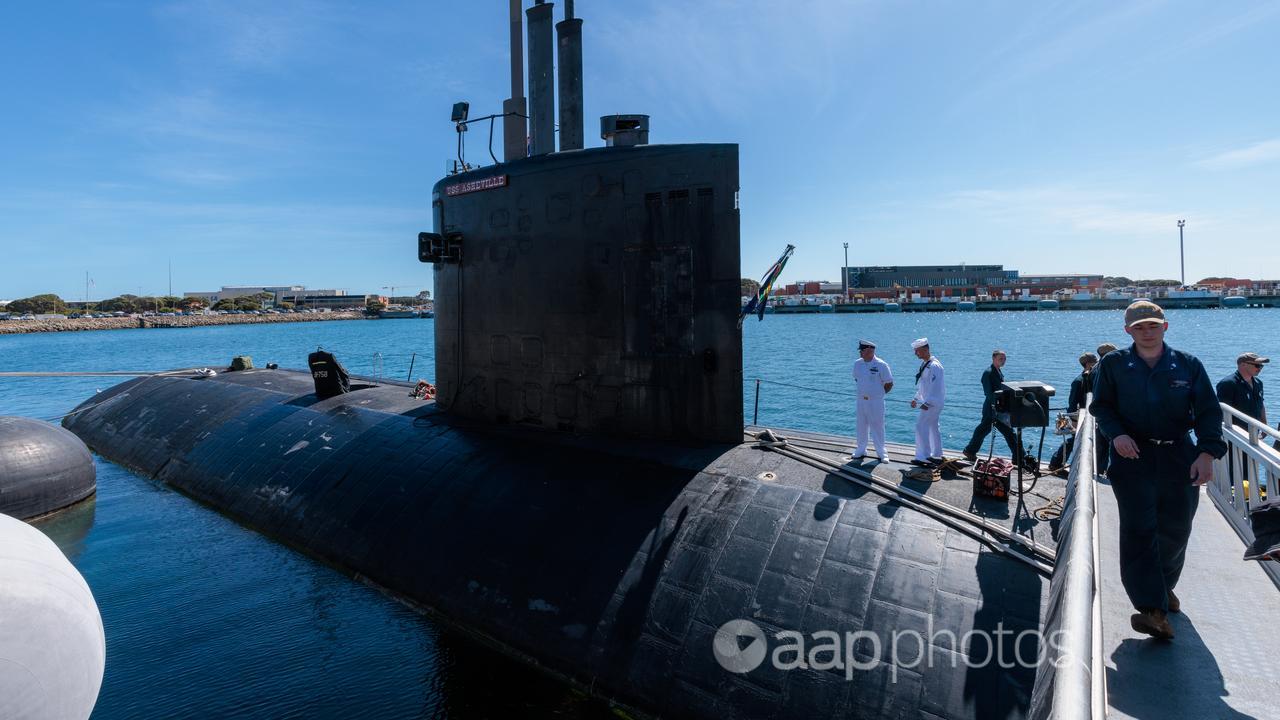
[1039, 557]
[1051, 510]
[82, 373]
[145, 375]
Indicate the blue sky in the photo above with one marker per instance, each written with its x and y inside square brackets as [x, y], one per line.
[297, 142]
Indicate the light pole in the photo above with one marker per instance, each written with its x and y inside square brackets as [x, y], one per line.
[845, 272]
[1182, 255]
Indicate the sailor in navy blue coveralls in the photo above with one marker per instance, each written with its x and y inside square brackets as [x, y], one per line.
[1147, 399]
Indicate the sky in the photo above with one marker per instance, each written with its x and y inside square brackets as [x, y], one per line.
[296, 142]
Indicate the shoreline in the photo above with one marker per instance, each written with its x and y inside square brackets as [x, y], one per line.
[23, 327]
[1038, 305]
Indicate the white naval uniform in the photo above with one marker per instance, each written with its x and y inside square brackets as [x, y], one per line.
[871, 377]
[931, 390]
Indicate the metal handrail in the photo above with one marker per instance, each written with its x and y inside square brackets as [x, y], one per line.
[1252, 422]
[1237, 486]
[1072, 680]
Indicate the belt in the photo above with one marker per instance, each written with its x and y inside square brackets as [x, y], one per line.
[1157, 441]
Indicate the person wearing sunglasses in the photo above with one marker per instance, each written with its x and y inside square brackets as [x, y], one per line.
[1242, 389]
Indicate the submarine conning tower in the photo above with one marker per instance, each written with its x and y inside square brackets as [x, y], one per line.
[590, 290]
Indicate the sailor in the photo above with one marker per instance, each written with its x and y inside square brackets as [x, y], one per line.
[1147, 398]
[1080, 389]
[931, 393]
[992, 378]
[1083, 384]
[1242, 390]
[873, 379]
[1100, 442]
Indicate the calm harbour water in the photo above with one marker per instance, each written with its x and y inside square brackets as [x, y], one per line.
[207, 619]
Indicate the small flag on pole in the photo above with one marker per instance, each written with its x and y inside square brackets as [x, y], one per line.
[758, 303]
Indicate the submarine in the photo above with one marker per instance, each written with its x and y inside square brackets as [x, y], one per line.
[582, 492]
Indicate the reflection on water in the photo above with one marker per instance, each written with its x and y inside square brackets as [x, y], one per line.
[70, 526]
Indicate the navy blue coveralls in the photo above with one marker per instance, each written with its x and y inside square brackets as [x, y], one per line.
[1080, 389]
[992, 377]
[1237, 393]
[1157, 407]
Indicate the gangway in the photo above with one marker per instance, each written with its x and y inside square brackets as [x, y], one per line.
[1226, 654]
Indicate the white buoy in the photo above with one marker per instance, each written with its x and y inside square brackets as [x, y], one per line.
[52, 646]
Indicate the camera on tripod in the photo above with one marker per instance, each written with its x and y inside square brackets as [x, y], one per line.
[1023, 404]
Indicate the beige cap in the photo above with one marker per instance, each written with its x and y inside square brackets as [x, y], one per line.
[1143, 311]
[1252, 357]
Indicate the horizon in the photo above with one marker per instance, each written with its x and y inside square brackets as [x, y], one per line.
[300, 141]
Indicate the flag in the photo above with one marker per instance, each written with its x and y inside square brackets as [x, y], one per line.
[761, 300]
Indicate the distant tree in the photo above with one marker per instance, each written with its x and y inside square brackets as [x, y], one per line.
[191, 303]
[373, 304]
[225, 304]
[750, 287]
[285, 305]
[38, 305]
[120, 303]
[1158, 283]
[424, 296]
[1115, 282]
[147, 303]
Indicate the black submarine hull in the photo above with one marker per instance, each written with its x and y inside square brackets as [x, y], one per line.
[611, 565]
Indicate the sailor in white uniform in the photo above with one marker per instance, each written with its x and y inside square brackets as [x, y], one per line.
[873, 379]
[931, 394]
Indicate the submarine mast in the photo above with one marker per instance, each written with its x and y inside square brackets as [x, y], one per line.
[589, 290]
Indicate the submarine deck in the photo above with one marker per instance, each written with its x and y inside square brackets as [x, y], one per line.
[955, 489]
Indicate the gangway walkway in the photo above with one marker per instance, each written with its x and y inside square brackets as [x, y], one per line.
[1225, 659]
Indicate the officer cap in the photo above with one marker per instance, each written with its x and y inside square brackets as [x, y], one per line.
[864, 344]
[919, 343]
[1252, 357]
[1143, 311]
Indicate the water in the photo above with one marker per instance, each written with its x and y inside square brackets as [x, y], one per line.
[818, 351]
[207, 619]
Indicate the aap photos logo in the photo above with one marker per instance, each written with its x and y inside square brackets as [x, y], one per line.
[739, 646]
